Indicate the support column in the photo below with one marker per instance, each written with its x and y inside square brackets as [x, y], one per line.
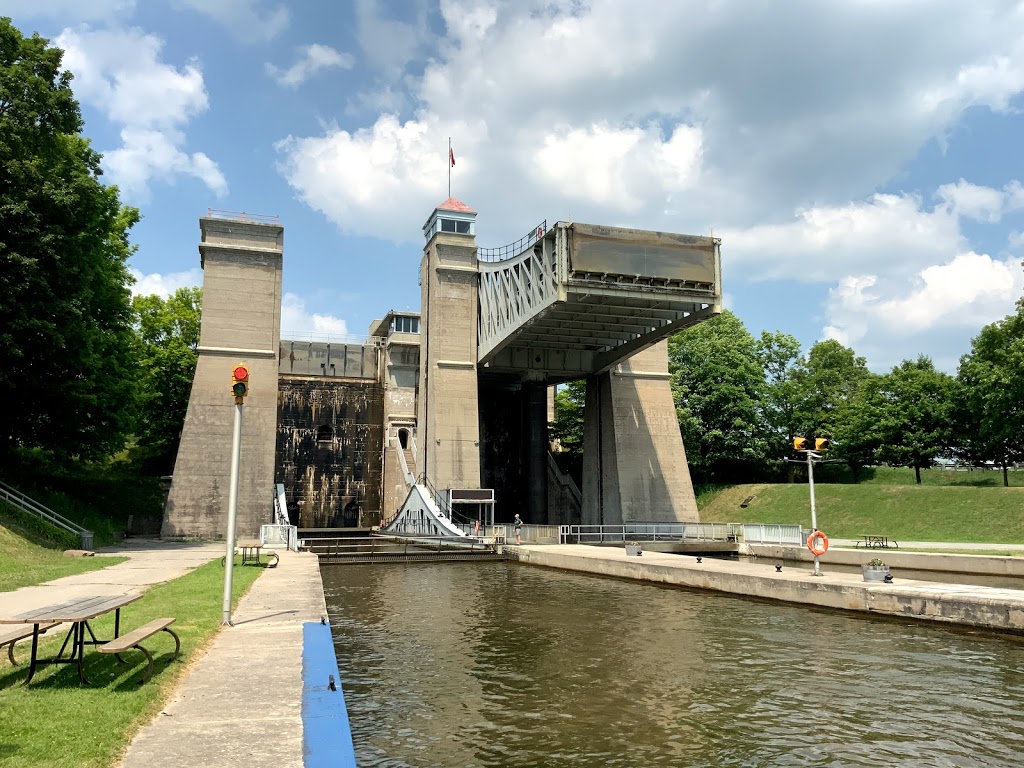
[241, 323]
[535, 448]
[448, 419]
[634, 463]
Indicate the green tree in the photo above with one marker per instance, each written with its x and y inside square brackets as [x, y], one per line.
[719, 389]
[991, 394]
[827, 379]
[65, 316]
[785, 392]
[915, 414]
[168, 337]
[567, 427]
[860, 425]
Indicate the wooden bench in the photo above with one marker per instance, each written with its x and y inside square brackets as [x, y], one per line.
[16, 633]
[136, 636]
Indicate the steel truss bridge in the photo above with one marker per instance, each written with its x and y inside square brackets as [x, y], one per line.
[577, 299]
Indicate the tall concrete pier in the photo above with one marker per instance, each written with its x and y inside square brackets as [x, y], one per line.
[241, 323]
[448, 418]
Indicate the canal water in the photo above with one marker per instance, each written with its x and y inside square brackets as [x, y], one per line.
[502, 664]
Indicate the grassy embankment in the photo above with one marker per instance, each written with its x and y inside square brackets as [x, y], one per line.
[55, 722]
[948, 506]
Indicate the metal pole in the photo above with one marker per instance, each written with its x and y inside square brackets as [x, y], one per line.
[229, 563]
[814, 513]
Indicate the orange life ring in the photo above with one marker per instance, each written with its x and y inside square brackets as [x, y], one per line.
[820, 548]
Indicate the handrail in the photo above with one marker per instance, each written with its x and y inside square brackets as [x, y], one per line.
[513, 249]
[259, 218]
[27, 504]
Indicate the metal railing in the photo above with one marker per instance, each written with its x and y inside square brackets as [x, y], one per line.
[19, 500]
[513, 249]
[601, 534]
[259, 218]
[750, 533]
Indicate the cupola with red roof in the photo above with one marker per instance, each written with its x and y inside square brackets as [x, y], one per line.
[451, 217]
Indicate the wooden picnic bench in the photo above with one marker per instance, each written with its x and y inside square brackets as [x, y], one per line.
[11, 636]
[874, 541]
[136, 636]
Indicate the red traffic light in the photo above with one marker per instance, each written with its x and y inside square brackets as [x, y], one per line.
[240, 381]
[240, 372]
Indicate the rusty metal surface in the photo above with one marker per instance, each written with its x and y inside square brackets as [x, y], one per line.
[620, 251]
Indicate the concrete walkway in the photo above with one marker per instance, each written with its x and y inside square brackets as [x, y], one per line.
[150, 562]
[986, 607]
[241, 703]
[961, 546]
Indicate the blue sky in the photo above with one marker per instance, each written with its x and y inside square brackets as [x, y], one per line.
[861, 160]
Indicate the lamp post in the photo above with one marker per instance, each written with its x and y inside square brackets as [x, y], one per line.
[811, 456]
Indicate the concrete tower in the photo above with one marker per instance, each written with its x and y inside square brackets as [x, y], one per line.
[448, 415]
[241, 323]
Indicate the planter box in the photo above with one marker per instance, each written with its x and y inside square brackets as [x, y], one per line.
[633, 549]
[875, 572]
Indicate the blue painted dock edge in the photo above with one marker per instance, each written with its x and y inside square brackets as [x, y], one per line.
[326, 735]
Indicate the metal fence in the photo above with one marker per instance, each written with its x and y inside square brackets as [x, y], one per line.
[751, 533]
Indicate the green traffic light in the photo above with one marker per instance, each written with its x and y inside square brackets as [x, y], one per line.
[240, 389]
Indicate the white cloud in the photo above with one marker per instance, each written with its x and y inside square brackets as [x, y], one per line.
[67, 11]
[164, 285]
[250, 20]
[965, 293]
[886, 232]
[981, 203]
[797, 114]
[312, 59]
[120, 72]
[297, 322]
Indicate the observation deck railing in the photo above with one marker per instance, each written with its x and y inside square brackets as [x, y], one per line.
[513, 249]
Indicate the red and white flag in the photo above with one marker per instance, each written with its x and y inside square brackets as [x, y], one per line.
[451, 156]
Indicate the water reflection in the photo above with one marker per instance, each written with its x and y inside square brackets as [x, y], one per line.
[498, 664]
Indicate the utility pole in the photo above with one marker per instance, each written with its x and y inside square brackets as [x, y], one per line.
[239, 389]
[811, 456]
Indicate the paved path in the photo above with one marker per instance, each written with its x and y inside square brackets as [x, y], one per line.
[241, 703]
[980, 548]
[149, 562]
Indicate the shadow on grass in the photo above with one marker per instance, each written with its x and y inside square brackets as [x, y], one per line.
[104, 672]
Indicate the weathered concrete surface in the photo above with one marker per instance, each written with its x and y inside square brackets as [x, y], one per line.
[985, 607]
[448, 420]
[987, 565]
[241, 703]
[634, 466]
[150, 562]
[241, 323]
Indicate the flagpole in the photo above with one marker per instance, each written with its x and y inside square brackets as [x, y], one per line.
[449, 159]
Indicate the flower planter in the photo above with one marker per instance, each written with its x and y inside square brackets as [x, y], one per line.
[875, 572]
[633, 549]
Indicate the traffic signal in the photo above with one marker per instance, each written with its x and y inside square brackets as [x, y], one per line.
[822, 443]
[240, 381]
[800, 444]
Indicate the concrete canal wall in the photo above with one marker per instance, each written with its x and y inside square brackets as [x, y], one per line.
[985, 607]
[985, 565]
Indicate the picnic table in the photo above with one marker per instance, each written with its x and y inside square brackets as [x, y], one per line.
[873, 541]
[77, 612]
[251, 553]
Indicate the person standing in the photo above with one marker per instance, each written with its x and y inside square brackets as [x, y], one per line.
[517, 525]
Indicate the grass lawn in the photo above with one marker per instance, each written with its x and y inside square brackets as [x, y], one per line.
[901, 512]
[23, 563]
[55, 722]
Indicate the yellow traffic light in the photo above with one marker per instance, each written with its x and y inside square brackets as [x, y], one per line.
[822, 444]
[800, 444]
[240, 381]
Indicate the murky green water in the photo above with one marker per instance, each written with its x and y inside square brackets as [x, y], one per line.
[500, 664]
